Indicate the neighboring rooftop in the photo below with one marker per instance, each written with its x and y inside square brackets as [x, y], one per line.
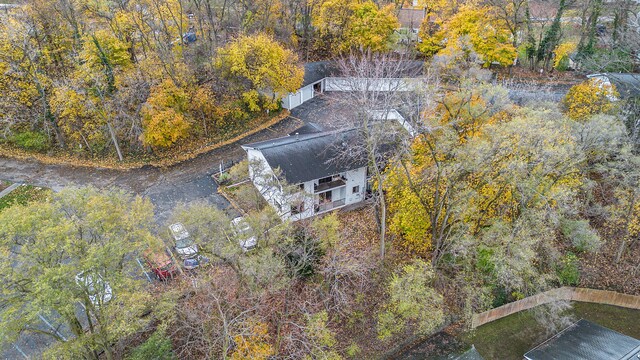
[585, 340]
[316, 71]
[308, 157]
[627, 84]
[411, 18]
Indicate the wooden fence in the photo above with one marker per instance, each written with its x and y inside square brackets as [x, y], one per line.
[563, 293]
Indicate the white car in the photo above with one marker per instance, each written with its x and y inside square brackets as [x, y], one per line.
[243, 230]
[98, 290]
[185, 247]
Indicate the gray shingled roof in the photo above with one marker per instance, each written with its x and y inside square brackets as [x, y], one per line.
[585, 340]
[308, 128]
[316, 71]
[307, 157]
[628, 85]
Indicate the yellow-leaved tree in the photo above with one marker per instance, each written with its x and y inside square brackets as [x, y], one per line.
[262, 70]
[370, 27]
[471, 28]
[562, 53]
[78, 119]
[254, 343]
[346, 25]
[589, 98]
[488, 36]
[164, 115]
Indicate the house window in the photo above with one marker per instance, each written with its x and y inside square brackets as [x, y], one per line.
[297, 208]
[301, 186]
[355, 189]
[325, 180]
[325, 197]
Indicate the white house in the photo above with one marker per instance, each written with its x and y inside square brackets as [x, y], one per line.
[323, 76]
[305, 175]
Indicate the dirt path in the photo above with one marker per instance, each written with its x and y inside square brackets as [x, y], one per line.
[186, 182]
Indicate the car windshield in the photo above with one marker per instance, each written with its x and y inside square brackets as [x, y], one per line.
[183, 243]
[240, 225]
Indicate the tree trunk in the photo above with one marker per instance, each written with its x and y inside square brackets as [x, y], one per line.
[115, 140]
[623, 244]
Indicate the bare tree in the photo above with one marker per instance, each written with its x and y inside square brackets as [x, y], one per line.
[375, 85]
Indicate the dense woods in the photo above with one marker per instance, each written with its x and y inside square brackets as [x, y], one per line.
[122, 78]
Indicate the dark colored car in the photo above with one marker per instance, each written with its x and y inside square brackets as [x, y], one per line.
[161, 265]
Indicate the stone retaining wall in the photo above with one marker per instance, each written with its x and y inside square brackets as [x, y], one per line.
[563, 293]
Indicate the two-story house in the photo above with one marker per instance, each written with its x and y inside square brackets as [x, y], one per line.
[305, 175]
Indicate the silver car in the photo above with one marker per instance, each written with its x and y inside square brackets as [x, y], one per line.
[97, 289]
[185, 247]
[243, 230]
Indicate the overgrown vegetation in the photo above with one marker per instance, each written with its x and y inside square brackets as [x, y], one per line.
[23, 195]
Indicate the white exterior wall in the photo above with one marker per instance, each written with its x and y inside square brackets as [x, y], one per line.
[356, 177]
[307, 93]
[275, 197]
[264, 182]
[364, 84]
[303, 94]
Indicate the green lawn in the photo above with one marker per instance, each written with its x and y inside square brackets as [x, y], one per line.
[512, 336]
[22, 195]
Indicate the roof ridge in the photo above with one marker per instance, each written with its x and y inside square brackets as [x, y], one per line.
[271, 143]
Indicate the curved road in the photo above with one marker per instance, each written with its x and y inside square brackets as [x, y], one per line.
[185, 182]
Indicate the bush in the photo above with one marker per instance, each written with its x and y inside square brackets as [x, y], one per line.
[303, 255]
[582, 236]
[224, 178]
[31, 140]
[158, 347]
[568, 271]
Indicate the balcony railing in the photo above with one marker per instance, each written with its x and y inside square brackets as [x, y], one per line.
[329, 205]
[329, 185]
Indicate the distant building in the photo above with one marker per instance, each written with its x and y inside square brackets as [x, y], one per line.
[304, 175]
[411, 18]
[585, 340]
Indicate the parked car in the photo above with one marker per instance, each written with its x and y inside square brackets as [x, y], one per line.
[185, 247]
[195, 262]
[99, 291]
[191, 263]
[243, 230]
[161, 264]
